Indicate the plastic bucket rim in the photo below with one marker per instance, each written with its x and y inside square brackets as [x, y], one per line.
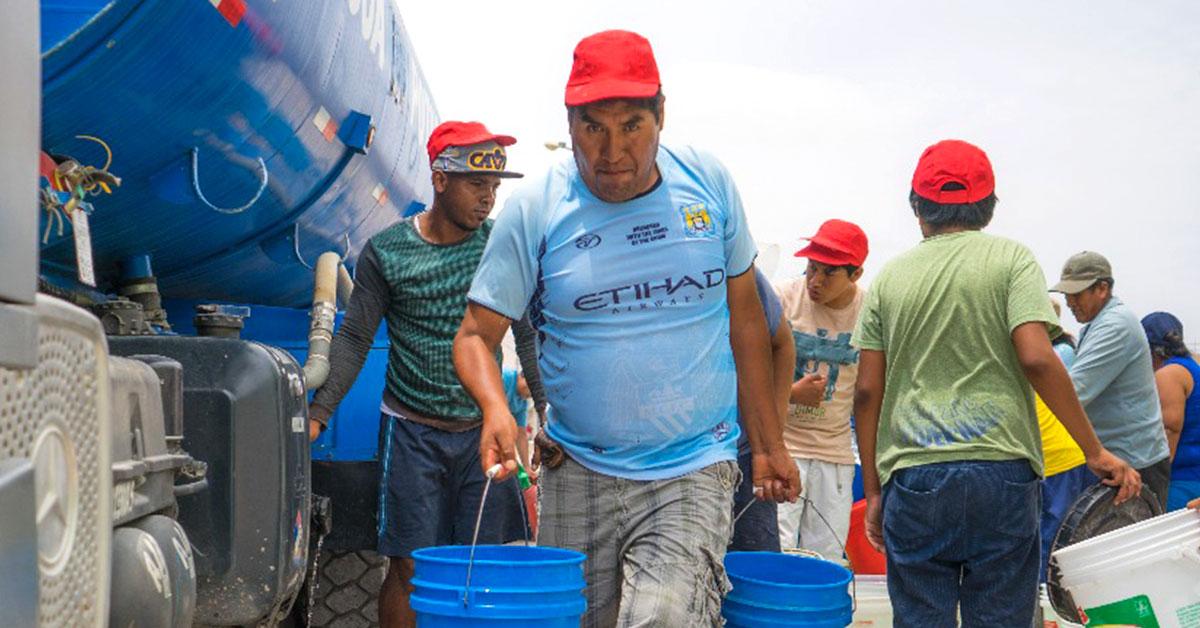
[569, 557]
[1151, 553]
[1118, 544]
[1176, 520]
[844, 581]
[1145, 541]
[1167, 532]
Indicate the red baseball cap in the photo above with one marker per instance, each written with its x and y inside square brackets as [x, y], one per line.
[953, 161]
[612, 64]
[454, 133]
[837, 243]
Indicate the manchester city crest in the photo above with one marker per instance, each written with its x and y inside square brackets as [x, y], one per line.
[696, 221]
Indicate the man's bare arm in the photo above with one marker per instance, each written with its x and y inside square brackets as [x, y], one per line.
[774, 471]
[783, 361]
[1049, 378]
[868, 401]
[1173, 392]
[475, 348]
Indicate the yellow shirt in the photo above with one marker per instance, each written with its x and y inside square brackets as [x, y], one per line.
[1058, 448]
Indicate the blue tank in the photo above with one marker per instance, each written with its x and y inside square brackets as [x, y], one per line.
[251, 136]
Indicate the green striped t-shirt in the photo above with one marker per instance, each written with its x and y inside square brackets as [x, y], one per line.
[427, 292]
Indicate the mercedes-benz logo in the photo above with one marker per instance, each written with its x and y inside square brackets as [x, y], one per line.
[587, 241]
[56, 479]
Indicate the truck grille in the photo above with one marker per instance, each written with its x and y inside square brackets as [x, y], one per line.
[61, 410]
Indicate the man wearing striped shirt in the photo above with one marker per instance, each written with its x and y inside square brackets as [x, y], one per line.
[416, 274]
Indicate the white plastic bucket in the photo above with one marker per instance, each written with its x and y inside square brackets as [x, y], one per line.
[874, 606]
[1147, 570]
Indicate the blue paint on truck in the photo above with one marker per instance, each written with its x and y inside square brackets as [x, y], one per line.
[238, 128]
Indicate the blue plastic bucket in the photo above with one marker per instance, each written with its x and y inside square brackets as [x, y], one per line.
[774, 590]
[511, 585]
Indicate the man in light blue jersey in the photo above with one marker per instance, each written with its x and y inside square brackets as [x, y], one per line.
[636, 265]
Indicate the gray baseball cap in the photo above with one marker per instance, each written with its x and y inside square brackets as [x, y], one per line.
[482, 158]
[1081, 271]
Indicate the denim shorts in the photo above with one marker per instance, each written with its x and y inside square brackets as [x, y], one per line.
[430, 485]
[963, 534]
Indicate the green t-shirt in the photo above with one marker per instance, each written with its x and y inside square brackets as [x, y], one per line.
[943, 314]
[427, 289]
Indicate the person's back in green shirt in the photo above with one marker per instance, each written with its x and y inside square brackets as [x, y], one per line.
[952, 335]
[943, 313]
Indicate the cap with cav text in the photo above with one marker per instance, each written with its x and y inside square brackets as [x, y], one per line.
[469, 147]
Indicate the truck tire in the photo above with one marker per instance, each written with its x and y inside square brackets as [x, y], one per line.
[181, 567]
[347, 590]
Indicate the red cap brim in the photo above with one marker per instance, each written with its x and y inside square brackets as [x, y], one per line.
[825, 255]
[605, 89]
[503, 140]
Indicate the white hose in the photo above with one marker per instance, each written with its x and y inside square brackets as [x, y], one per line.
[324, 309]
[345, 285]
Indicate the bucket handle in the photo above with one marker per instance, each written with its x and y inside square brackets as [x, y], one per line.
[468, 596]
[832, 532]
[853, 583]
[262, 185]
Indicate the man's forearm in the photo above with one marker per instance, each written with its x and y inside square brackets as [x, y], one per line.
[783, 359]
[866, 426]
[352, 343]
[479, 373]
[346, 356]
[760, 415]
[474, 354]
[868, 401]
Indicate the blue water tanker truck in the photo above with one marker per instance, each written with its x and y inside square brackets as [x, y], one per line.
[185, 186]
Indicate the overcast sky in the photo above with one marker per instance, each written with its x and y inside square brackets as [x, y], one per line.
[1090, 112]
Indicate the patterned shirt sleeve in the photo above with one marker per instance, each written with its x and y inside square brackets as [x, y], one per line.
[527, 353]
[368, 304]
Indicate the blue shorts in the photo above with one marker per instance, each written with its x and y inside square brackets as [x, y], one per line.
[430, 484]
